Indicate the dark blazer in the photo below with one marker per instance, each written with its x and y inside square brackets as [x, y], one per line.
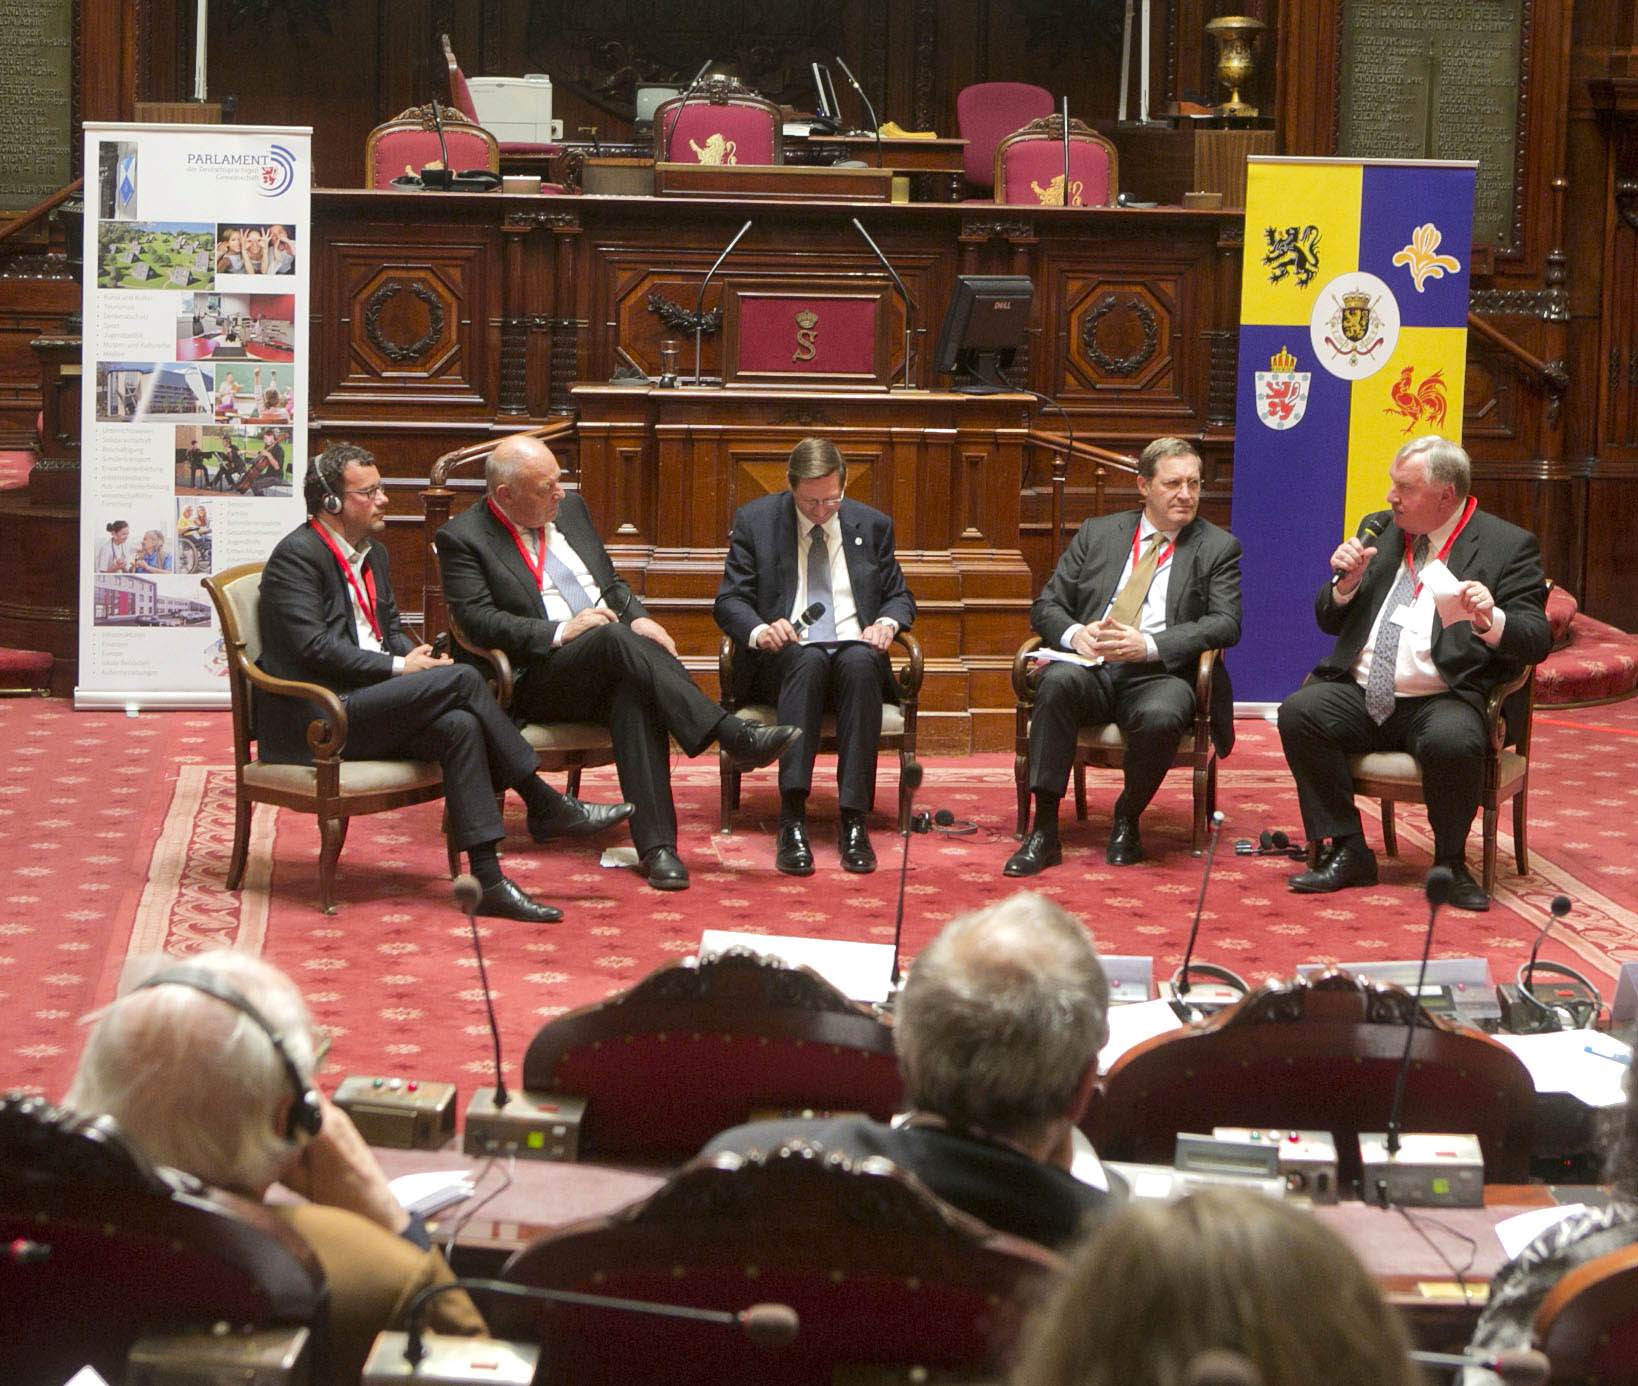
[760, 579]
[1202, 599]
[1502, 556]
[307, 630]
[494, 595]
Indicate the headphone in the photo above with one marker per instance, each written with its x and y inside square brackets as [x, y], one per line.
[307, 1111]
[332, 502]
[1573, 1004]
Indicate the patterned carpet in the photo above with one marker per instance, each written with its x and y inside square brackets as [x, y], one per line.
[115, 833]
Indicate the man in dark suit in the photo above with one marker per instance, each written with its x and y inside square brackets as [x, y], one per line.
[526, 573]
[327, 616]
[788, 552]
[1141, 594]
[998, 1030]
[1411, 670]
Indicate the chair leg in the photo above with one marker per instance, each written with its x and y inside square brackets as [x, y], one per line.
[907, 794]
[1390, 837]
[572, 783]
[1491, 824]
[1020, 780]
[1521, 853]
[332, 833]
[243, 810]
[728, 791]
[1080, 791]
[1202, 811]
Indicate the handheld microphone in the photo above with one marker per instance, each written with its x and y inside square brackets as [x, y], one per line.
[1437, 889]
[766, 1325]
[676, 114]
[904, 293]
[808, 617]
[1372, 529]
[875, 125]
[1233, 987]
[910, 776]
[699, 300]
[468, 895]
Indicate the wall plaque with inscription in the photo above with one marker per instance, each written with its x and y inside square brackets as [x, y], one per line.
[1436, 79]
[36, 87]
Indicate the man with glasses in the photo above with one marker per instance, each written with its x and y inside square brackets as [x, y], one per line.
[1135, 600]
[525, 572]
[327, 616]
[790, 552]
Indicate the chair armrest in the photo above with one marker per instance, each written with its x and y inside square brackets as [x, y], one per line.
[1494, 724]
[1026, 673]
[1202, 679]
[502, 682]
[910, 674]
[727, 653]
[327, 733]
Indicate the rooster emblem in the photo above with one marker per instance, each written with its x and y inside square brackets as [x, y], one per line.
[1423, 404]
[718, 149]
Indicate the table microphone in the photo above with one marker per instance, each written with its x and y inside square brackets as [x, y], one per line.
[468, 895]
[904, 293]
[1570, 1009]
[1180, 978]
[1373, 527]
[909, 776]
[875, 125]
[1437, 889]
[676, 113]
[444, 178]
[807, 618]
[699, 300]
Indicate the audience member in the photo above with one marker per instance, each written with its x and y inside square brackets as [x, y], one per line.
[1222, 1269]
[998, 1031]
[208, 1065]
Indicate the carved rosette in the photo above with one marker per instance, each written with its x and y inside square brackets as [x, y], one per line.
[1120, 334]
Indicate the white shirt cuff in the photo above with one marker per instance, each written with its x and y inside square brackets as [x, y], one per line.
[756, 634]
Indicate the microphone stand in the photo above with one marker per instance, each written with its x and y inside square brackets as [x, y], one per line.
[676, 115]
[911, 775]
[1065, 132]
[904, 293]
[699, 301]
[875, 125]
[1437, 890]
[447, 179]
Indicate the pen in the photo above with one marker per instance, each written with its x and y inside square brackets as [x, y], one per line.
[1613, 1058]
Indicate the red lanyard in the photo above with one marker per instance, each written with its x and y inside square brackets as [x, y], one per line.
[1165, 553]
[1410, 557]
[364, 593]
[535, 562]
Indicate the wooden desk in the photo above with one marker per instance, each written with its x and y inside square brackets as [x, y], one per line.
[934, 166]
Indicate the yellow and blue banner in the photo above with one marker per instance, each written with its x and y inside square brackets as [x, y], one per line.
[1353, 340]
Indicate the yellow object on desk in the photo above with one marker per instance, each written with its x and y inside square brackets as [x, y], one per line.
[891, 131]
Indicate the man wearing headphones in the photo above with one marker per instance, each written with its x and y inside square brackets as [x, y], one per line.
[208, 1066]
[327, 616]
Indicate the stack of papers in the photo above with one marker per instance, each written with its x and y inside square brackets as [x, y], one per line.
[432, 1190]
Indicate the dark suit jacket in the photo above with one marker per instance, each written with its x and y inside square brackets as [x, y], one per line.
[1502, 556]
[760, 579]
[1202, 599]
[495, 597]
[306, 620]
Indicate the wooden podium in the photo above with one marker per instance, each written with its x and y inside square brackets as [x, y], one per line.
[663, 471]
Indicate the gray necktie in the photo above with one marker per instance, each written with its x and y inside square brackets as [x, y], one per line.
[563, 578]
[1379, 683]
[823, 628]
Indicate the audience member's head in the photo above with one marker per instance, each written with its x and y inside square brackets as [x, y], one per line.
[1001, 1020]
[1160, 1284]
[194, 1079]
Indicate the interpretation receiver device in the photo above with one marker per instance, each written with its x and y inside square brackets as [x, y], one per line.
[401, 1113]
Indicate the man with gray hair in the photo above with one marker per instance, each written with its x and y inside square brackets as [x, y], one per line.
[998, 1030]
[1410, 672]
[208, 1065]
[525, 572]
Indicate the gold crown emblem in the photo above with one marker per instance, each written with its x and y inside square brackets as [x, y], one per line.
[806, 319]
[1357, 298]
[1282, 361]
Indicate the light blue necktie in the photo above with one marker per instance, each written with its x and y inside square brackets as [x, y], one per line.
[824, 628]
[563, 578]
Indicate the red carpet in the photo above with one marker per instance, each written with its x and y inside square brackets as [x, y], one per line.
[116, 833]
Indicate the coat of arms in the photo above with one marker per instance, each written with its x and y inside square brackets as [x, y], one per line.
[1354, 325]
[1282, 392]
[807, 335]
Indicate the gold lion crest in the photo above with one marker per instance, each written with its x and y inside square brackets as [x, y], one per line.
[718, 149]
[1053, 194]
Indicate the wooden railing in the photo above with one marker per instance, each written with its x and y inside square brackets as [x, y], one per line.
[39, 210]
[1062, 449]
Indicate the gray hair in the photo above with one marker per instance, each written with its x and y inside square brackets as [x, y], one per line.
[192, 1079]
[813, 458]
[1001, 1016]
[1446, 462]
[1151, 457]
[508, 457]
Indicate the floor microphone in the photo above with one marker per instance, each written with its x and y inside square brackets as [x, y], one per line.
[1437, 889]
[909, 778]
[1372, 528]
[468, 895]
[808, 617]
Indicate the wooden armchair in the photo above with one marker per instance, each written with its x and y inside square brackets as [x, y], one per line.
[1101, 744]
[1029, 166]
[409, 142]
[332, 788]
[104, 1248]
[720, 123]
[1321, 1054]
[884, 1277]
[986, 112]
[1392, 777]
[697, 1047]
[1588, 1322]
[460, 96]
[898, 726]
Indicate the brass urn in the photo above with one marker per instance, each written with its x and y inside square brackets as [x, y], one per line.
[1235, 34]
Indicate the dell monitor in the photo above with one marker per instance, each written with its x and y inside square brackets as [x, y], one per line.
[984, 325]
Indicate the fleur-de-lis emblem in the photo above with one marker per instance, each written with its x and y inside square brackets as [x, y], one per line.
[1422, 256]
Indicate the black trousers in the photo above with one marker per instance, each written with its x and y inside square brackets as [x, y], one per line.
[803, 683]
[1324, 722]
[645, 696]
[1152, 708]
[447, 715]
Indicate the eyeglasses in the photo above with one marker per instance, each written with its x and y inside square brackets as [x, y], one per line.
[369, 492]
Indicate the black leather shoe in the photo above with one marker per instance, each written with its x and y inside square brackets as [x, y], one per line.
[1125, 846]
[1340, 867]
[663, 869]
[857, 854]
[792, 855]
[1465, 892]
[1039, 851]
[752, 745]
[504, 900]
[572, 818]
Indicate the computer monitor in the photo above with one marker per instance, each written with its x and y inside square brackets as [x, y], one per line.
[649, 96]
[984, 325]
[829, 108]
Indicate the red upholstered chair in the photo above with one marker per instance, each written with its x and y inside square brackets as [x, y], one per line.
[986, 113]
[460, 96]
[883, 1276]
[721, 123]
[104, 1249]
[1321, 1055]
[1588, 1322]
[1029, 166]
[697, 1047]
[409, 142]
